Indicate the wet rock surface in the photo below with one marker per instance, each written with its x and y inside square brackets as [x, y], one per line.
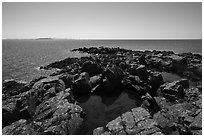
[51, 104]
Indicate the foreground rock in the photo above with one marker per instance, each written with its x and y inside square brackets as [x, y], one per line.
[180, 118]
[174, 90]
[55, 116]
[137, 121]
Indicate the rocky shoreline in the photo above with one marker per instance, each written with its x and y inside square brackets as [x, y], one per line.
[47, 105]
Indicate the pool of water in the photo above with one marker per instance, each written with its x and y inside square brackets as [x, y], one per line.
[170, 77]
[102, 109]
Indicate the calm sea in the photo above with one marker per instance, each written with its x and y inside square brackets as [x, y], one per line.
[21, 58]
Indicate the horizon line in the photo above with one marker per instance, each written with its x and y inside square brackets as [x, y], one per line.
[50, 38]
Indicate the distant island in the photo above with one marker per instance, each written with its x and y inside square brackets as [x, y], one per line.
[44, 38]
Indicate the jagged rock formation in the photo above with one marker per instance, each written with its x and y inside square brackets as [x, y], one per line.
[47, 105]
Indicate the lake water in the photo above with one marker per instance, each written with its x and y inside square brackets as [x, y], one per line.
[22, 57]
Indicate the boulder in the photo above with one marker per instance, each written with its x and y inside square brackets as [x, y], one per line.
[178, 63]
[174, 90]
[82, 86]
[142, 72]
[113, 77]
[91, 68]
[155, 80]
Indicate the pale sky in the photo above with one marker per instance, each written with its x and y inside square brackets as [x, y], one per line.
[102, 20]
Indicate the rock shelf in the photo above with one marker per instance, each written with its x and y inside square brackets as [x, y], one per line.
[48, 104]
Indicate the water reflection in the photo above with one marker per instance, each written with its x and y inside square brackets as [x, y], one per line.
[170, 77]
[102, 109]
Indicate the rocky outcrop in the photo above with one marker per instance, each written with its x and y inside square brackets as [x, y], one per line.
[58, 116]
[13, 87]
[54, 116]
[46, 105]
[180, 118]
[137, 121]
[174, 90]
